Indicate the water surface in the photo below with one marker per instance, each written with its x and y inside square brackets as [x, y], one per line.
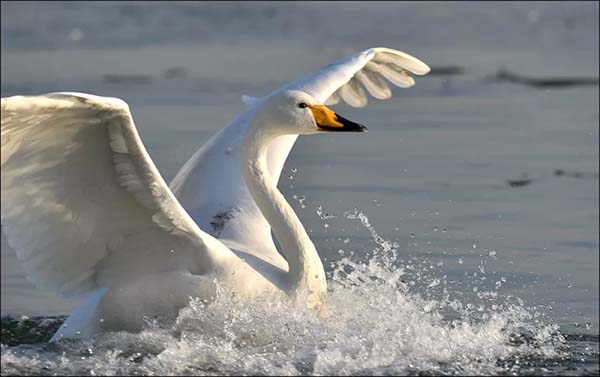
[485, 190]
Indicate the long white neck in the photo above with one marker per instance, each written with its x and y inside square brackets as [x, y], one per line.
[306, 271]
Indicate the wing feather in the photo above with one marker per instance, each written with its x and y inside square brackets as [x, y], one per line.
[332, 100]
[353, 94]
[401, 59]
[374, 83]
[368, 68]
[391, 72]
[83, 205]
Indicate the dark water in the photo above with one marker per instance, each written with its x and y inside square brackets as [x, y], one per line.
[480, 183]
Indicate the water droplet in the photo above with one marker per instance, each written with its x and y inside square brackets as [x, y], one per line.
[434, 283]
[412, 235]
[492, 254]
[570, 285]
[291, 177]
[326, 225]
[294, 170]
[474, 246]
[444, 230]
[460, 261]
[435, 229]
[341, 251]
[101, 320]
[347, 240]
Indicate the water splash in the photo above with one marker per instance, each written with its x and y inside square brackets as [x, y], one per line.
[374, 324]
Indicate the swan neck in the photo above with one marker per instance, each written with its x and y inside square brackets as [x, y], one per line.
[305, 267]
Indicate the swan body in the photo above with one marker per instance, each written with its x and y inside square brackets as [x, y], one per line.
[88, 213]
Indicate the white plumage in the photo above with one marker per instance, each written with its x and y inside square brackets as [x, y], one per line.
[216, 164]
[88, 213]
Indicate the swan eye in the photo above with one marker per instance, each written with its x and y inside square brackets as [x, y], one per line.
[302, 105]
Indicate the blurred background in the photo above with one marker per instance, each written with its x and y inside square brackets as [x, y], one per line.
[485, 172]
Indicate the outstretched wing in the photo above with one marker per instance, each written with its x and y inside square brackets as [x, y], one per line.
[210, 185]
[371, 69]
[83, 205]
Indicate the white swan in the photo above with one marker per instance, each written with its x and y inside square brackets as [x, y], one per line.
[87, 212]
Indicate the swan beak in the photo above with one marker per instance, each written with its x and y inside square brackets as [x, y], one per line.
[328, 120]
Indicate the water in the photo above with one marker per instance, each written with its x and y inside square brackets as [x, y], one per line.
[460, 235]
[376, 324]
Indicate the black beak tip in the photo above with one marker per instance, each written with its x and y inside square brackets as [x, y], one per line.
[347, 126]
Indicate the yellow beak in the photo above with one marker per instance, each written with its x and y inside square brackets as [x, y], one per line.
[328, 120]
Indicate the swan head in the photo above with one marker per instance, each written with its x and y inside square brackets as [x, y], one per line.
[297, 112]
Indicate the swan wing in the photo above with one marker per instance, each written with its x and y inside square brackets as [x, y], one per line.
[210, 185]
[83, 205]
[371, 69]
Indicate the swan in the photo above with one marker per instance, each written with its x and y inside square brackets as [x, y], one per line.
[89, 215]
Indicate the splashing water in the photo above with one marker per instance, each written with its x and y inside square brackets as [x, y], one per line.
[374, 324]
